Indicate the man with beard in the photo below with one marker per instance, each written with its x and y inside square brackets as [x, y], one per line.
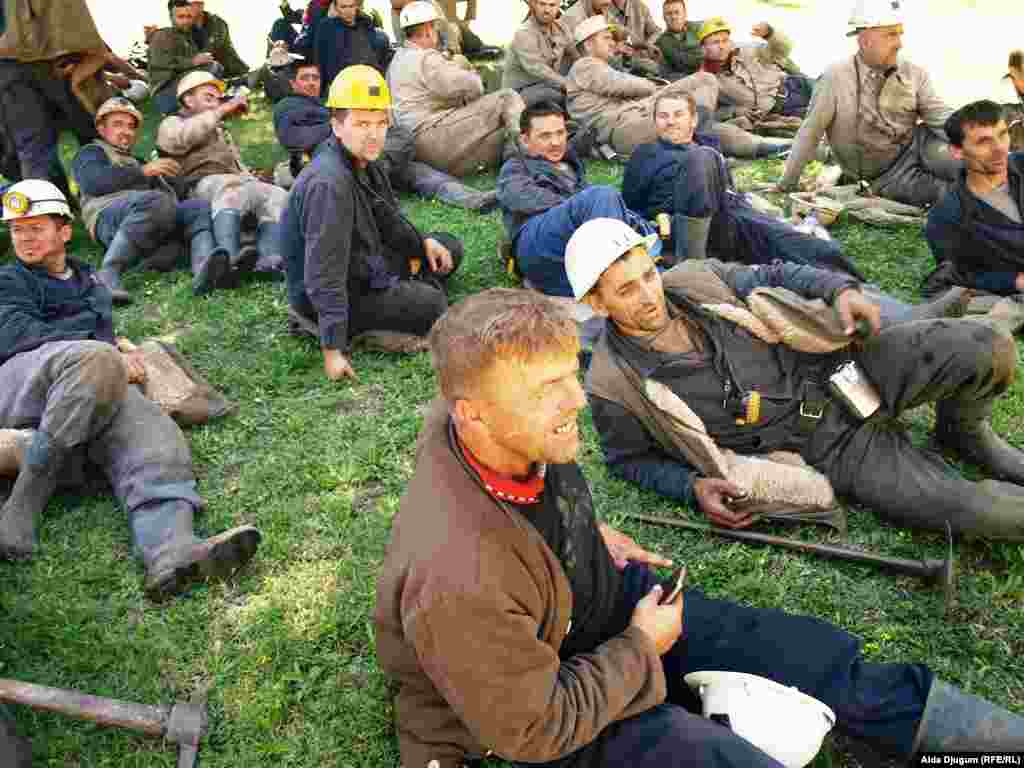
[513, 624]
[212, 34]
[882, 116]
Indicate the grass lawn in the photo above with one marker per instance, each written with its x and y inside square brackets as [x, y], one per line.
[285, 656]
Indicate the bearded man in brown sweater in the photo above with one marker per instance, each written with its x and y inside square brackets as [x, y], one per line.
[515, 624]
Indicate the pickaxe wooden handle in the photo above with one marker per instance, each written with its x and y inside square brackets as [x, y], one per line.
[183, 724]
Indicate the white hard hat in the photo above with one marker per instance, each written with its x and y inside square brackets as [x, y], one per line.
[419, 12]
[193, 80]
[783, 722]
[594, 247]
[866, 14]
[589, 27]
[137, 91]
[34, 197]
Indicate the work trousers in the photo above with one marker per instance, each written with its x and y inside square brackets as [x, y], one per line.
[880, 704]
[738, 231]
[34, 107]
[540, 244]
[874, 462]
[922, 174]
[472, 137]
[77, 392]
[412, 305]
[243, 193]
[149, 219]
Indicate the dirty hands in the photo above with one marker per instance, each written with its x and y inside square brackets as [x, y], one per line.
[624, 550]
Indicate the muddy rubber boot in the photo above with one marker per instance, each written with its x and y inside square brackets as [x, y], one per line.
[175, 559]
[952, 303]
[963, 428]
[460, 196]
[15, 752]
[268, 245]
[227, 233]
[210, 265]
[41, 464]
[690, 237]
[121, 254]
[954, 721]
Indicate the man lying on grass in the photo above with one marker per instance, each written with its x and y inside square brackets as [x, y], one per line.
[692, 376]
[65, 383]
[513, 622]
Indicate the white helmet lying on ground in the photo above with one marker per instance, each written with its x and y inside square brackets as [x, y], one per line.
[783, 722]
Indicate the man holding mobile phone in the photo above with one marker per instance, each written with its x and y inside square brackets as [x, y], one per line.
[508, 623]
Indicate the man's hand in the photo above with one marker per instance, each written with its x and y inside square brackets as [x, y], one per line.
[165, 166]
[713, 497]
[1018, 283]
[202, 59]
[438, 257]
[662, 623]
[133, 365]
[237, 105]
[337, 366]
[851, 305]
[118, 81]
[623, 549]
[764, 29]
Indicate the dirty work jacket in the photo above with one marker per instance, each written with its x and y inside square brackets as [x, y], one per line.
[539, 55]
[201, 143]
[170, 55]
[426, 87]
[867, 134]
[531, 185]
[984, 245]
[733, 355]
[106, 174]
[31, 315]
[458, 566]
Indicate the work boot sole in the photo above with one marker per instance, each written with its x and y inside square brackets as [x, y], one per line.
[217, 558]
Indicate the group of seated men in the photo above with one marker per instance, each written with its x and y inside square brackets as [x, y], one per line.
[574, 660]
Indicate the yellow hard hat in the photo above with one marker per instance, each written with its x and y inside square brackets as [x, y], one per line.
[359, 87]
[713, 25]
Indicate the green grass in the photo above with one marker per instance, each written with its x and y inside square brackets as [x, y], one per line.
[285, 656]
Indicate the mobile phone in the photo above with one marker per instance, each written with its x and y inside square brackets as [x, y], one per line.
[677, 581]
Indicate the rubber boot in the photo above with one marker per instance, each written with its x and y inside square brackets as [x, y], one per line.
[210, 265]
[227, 232]
[770, 149]
[268, 246]
[121, 254]
[952, 303]
[460, 196]
[15, 752]
[41, 464]
[690, 237]
[175, 559]
[954, 721]
[962, 427]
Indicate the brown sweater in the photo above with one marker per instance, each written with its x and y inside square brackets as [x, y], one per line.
[472, 607]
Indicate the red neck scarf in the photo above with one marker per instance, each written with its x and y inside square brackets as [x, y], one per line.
[505, 487]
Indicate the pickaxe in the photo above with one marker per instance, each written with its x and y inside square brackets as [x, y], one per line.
[940, 572]
[183, 724]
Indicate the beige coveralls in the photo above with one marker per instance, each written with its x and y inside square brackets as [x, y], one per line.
[457, 128]
[887, 130]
